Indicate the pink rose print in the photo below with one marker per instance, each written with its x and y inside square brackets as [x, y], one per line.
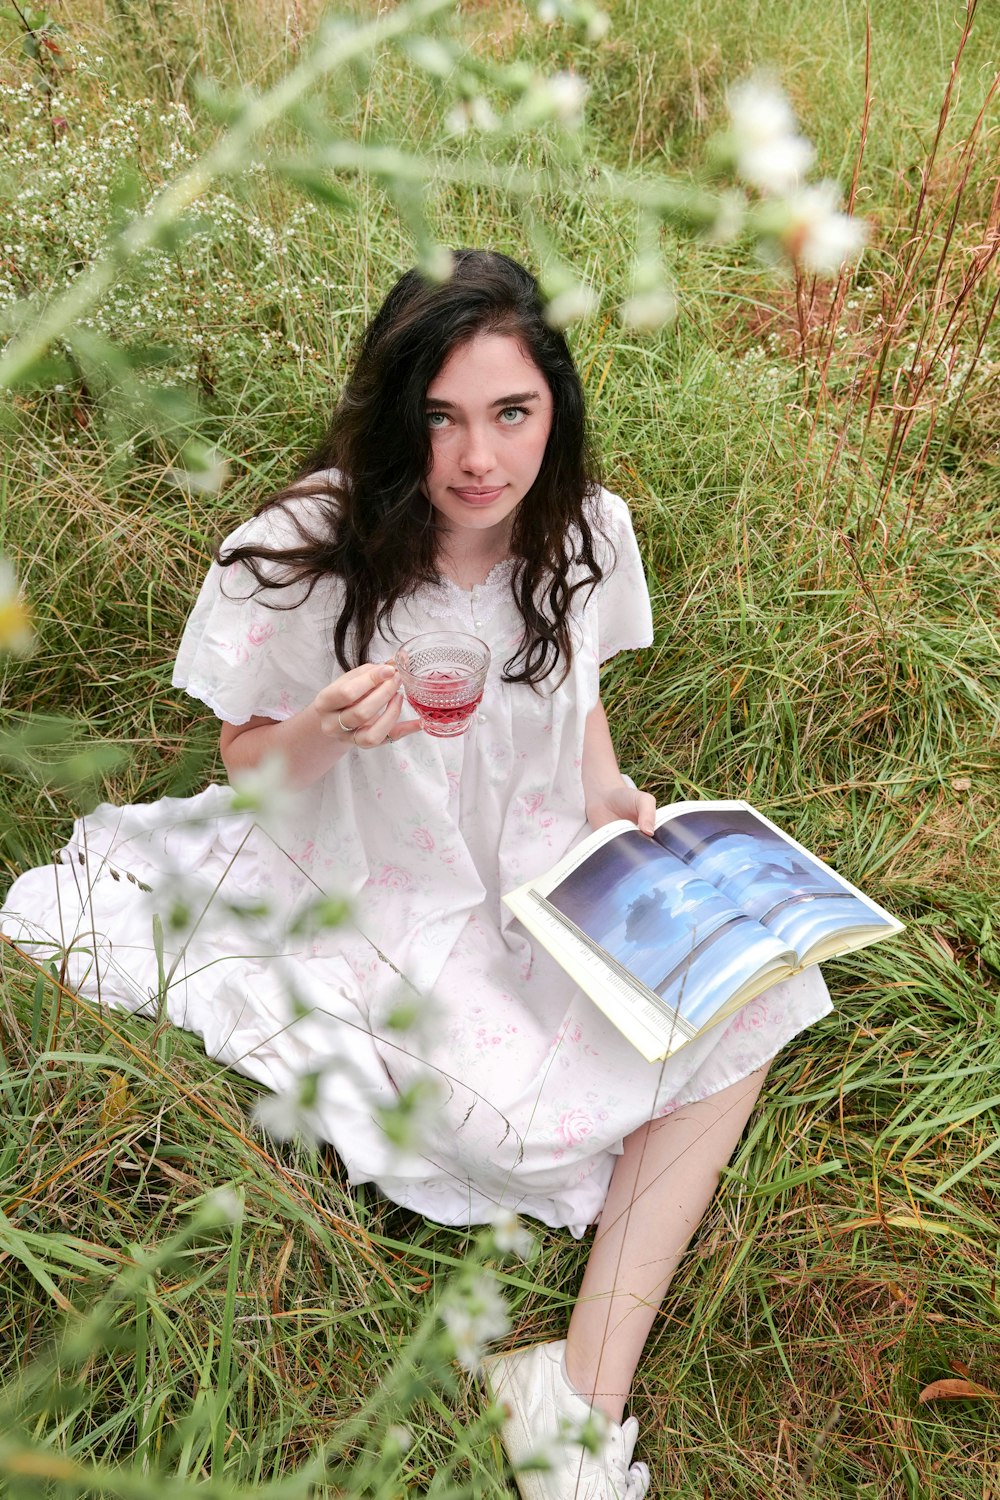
[259, 633]
[393, 878]
[532, 803]
[424, 839]
[751, 1016]
[574, 1126]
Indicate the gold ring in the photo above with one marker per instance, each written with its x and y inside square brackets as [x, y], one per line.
[346, 728]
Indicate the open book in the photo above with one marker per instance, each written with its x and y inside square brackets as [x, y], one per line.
[671, 934]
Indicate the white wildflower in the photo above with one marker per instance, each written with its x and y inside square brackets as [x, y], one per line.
[399, 1437]
[291, 1116]
[817, 234]
[652, 302]
[769, 153]
[551, 1449]
[437, 263]
[431, 55]
[560, 97]
[646, 311]
[264, 791]
[595, 22]
[16, 634]
[510, 1237]
[202, 470]
[567, 94]
[567, 298]
[729, 219]
[471, 114]
[474, 1313]
[223, 1205]
[407, 1122]
[414, 1020]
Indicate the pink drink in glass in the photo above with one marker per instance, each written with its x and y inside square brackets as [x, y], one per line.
[443, 674]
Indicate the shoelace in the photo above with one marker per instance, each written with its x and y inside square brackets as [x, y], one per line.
[638, 1482]
[630, 1481]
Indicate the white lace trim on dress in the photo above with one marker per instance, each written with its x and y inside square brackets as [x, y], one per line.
[204, 695]
[447, 600]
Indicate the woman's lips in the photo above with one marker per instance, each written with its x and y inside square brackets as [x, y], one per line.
[479, 497]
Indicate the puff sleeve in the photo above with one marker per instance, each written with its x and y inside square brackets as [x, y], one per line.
[624, 612]
[250, 651]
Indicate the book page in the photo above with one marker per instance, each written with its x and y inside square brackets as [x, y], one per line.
[797, 897]
[671, 930]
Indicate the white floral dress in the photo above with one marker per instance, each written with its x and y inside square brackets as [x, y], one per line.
[537, 1088]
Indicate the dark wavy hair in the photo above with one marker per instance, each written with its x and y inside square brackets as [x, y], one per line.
[377, 532]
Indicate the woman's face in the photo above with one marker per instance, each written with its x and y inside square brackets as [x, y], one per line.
[489, 414]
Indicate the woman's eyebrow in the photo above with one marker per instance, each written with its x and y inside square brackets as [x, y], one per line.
[514, 400]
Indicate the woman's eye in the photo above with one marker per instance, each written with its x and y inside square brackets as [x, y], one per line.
[512, 415]
[436, 418]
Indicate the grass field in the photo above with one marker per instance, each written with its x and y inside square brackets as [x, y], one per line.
[813, 474]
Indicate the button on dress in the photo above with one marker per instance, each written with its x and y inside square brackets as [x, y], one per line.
[534, 1089]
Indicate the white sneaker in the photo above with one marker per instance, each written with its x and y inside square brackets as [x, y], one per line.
[545, 1418]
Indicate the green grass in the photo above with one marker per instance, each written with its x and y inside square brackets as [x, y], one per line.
[826, 647]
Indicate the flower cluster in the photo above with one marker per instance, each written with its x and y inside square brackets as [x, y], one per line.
[234, 291]
[474, 1313]
[767, 153]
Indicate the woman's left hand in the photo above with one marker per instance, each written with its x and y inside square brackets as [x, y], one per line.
[605, 804]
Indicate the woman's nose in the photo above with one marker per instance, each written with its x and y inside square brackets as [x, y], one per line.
[477, 453]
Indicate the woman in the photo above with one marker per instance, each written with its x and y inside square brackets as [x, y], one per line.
[454, 490]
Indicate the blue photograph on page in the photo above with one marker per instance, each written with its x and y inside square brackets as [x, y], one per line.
[793, 895]
[660, 920]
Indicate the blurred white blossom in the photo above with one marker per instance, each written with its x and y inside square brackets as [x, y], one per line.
[414, 1020]
[264, 791]
[399, 1437]
[221, 1206]
[768, 151]
[645, 311]
[567, 298]
[16, 633]
[652, 302]
[559, 97]
[550, 1451]
[510, 1236]
[730, 217]
[407, 1122]
[291, 1116]
[595, 22]
[476, 113]
[474, 1313]
[437, 263]
[201, 471]
[817, 233]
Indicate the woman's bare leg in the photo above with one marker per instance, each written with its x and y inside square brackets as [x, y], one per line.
[659, 1191]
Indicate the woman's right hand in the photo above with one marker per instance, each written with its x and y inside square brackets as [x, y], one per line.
[363, 706]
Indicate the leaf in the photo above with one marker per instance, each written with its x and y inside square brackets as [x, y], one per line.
[47, 370]
[117, 1101]
[956, 1390]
